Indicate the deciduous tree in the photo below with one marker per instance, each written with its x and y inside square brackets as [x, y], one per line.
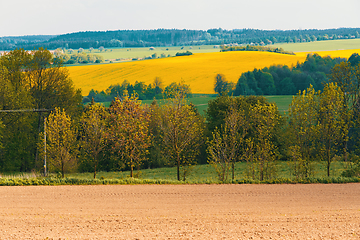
[93, 132]
[221, 85]
[302, 135]
[19, 144]
[224, 146]
[50, 86]
[182, 130]
[265, 119]
[347, 78]
[61, 138]
[332, 126]
[129, 130]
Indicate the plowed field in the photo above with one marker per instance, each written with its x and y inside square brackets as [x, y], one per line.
[181, 212]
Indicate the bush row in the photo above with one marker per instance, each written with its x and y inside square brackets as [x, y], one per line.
[133, 181]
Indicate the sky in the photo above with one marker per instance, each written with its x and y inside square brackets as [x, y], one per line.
[53, 17]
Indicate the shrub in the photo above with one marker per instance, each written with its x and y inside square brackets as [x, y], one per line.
[353, 172]
[187, 53]
[70, 61]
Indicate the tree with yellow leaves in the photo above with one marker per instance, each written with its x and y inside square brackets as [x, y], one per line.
[261, 151]
[60, 142]
[182, 131]
[302, 139]
[332, 125]
[93, 132]
[129, 130]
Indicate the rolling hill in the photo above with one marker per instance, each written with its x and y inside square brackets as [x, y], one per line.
[198, 70]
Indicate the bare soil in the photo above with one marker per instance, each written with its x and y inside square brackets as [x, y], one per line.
[313, 211]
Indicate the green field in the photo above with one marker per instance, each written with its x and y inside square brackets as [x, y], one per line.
[199, 173]
[320, 45]
[206, 173]
[201, 102]
[282, 101]
[116, 54]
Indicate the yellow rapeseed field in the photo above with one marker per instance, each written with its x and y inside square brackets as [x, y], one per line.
[198, 70]
[333, 54]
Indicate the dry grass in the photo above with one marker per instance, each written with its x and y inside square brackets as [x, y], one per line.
[23, 175]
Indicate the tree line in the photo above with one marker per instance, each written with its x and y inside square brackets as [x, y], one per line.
[143, 91]
[69, 57]
[31, 80]
[283, 80]
[225, 48]
[321, 126]
[174, 37]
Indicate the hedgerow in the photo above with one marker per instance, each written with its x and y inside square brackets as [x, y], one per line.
[135, 181]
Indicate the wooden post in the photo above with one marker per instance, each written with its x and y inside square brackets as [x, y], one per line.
[44, 146]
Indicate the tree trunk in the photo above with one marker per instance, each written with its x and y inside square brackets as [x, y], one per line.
[95, 171]
[261, 171]
[329, 161]
[37, 139]
[178, 167]
[131, 168]
[345, 151]
[95, 164]
[233, 170]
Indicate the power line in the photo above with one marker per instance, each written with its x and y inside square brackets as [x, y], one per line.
[26, 110]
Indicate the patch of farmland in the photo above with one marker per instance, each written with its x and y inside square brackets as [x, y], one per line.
[333, 54]
[198, 70]
[116, 54]
[330, 45]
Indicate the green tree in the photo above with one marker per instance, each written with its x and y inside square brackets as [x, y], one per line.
[93, 132]
[60, 142]
[156, 157]
[50, 86]
[221, 85]
[262, 156]
[18, 136]
[182, 130]
[347, 78]
[332, 125]
[158, 85]
[287, 86]
[354, 59]
[172, 90]
[266, 84]
[1, 134]
[140, 89]
[129, 130]
[302, 132]
[242, 87]
[224, 146]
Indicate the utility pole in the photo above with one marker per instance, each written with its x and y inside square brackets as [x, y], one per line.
[44, 146]
[33, 110]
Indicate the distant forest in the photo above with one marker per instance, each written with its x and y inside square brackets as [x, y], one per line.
[174, 37]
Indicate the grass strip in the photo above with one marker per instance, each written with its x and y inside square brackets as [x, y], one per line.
[135, 181]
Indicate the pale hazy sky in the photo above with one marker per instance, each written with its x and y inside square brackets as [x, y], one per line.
[34, 17]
